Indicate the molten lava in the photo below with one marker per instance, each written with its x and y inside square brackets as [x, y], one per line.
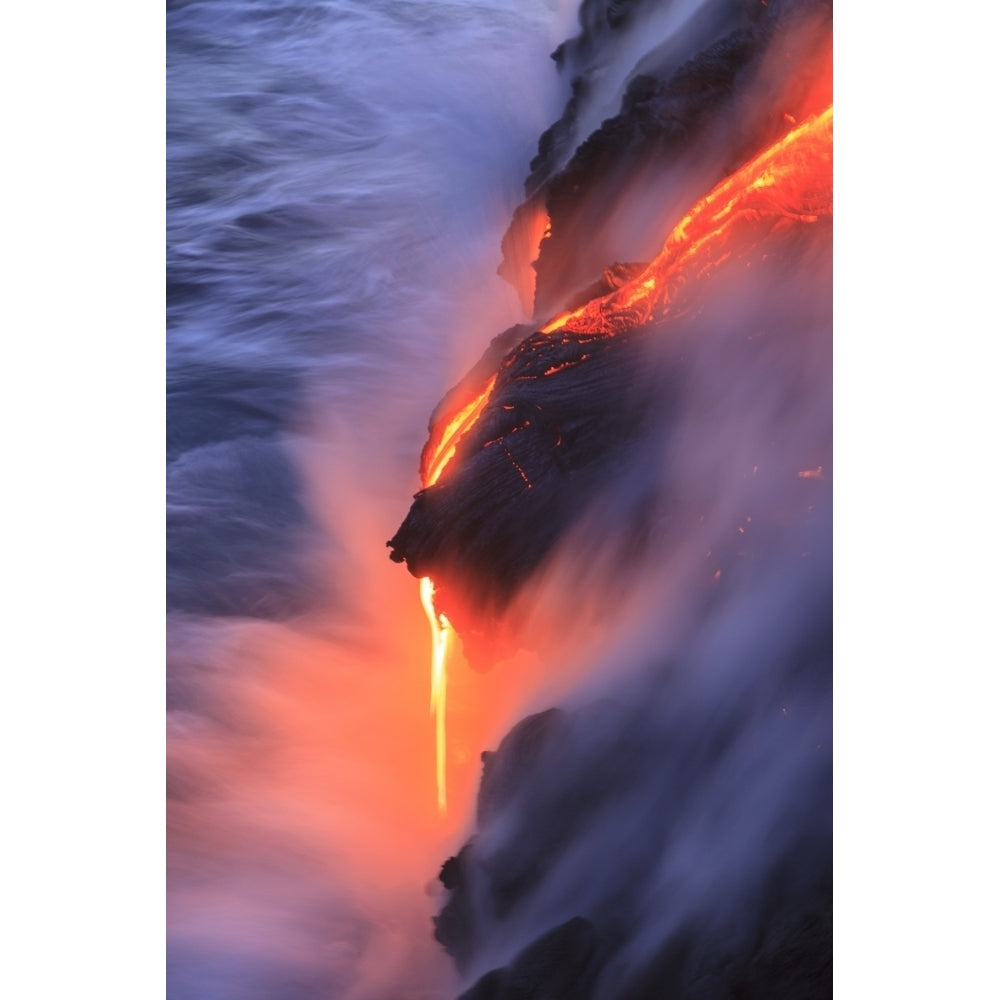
[438, 452]
[440, 639]
[787, 185]
[790, 180]
[443, 442]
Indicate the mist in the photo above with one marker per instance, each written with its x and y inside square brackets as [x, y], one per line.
[337, 189]
[678, 798]
[340, 177]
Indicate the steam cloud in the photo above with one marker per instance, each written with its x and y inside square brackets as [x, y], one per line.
[337, 190]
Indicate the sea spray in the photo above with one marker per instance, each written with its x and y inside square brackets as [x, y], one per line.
[339, 176]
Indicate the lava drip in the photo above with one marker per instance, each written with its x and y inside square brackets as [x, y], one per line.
[440, 641]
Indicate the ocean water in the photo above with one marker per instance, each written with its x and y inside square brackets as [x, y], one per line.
[339, 175]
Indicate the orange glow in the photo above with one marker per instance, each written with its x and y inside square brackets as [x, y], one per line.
[440, 639]
[792, 179]
[521, 244]
[438, 452]
[441, 447]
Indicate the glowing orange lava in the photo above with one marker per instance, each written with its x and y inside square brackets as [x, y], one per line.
[791, 180]
[440, 638]
[440, 448]
[438, 452]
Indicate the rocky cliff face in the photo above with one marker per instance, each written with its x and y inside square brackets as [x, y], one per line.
[701, 100]
[624, 853]
[668, 833]
[564, 407]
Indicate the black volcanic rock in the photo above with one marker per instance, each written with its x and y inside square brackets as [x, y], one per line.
[659, 120]
[577, 419]
[563, 411]
[515, 757]
[790, 960]
[567, 407]
[596, 801]
[560, 965]
[668, 834]
[456, 926]
[707, 113]
[602, 32]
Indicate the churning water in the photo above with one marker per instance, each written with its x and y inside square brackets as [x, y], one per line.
[339, 177]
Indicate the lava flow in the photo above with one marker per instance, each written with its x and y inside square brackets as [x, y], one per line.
[791, 180]
[437, 453]
[788, 184]
[440, 640]
[443, 442]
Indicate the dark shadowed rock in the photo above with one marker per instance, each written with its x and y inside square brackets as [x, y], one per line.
[568, 775]
[568, 406]
[677, 114]
[560, 965]
[457, 925]
[519, 750]
[576, 419]
[671, 836]
[562, 413]
[790, 960]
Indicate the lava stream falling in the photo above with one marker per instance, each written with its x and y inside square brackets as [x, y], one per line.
[441, 631]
